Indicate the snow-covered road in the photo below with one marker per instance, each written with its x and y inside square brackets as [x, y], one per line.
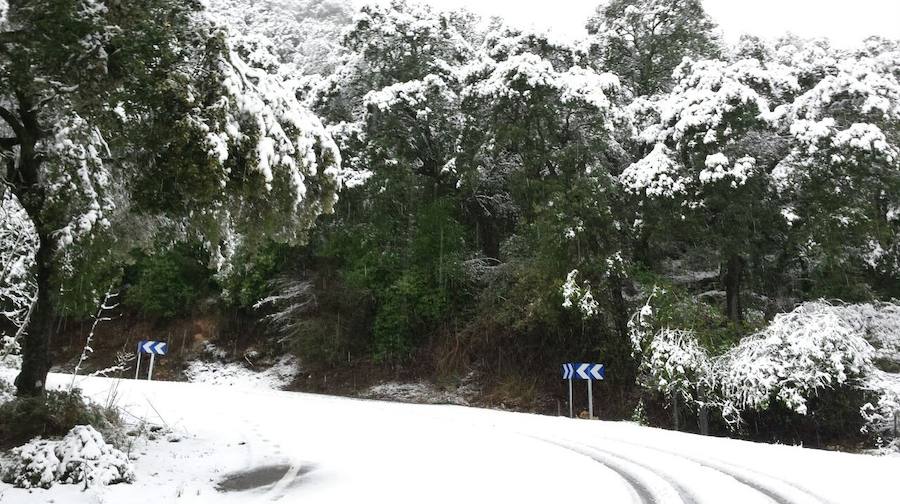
[337, 450]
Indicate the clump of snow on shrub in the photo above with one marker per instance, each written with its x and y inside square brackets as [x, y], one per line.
[33, 465]
[579, 296]
[799, 353]
[816, 346]
[672, 360]
[878, 323]
[676, 363]
[82, 456]
[10, 353]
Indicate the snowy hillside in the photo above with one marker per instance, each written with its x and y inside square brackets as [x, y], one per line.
[231, 445]
[304, 34]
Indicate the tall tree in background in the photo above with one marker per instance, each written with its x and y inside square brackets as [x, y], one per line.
[842, 176]
[715, 147]
[107, 112]
[643, 41]
[394, 107]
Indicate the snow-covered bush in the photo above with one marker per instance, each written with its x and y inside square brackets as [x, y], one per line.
[817, 347]
[33, 465]
[880, 414]
[819, 361]
[85, 456]
[676, 363]
[798, 354]
[672, 361]
[579, 296]
[82, 456]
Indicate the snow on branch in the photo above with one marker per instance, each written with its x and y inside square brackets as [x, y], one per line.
[18, 243]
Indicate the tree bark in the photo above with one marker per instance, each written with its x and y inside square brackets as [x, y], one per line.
[25, 181]
[32, 379]
[703, 414]
[733, 274]
[675, 413]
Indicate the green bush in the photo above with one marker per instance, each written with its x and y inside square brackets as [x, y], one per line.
[170, 283]
[53, 414]
[676, 307]
[253, 271]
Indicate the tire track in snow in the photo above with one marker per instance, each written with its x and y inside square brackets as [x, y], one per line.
[643, 491]
[776, 489]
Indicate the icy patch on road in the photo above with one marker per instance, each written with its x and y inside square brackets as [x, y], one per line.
[238, 374]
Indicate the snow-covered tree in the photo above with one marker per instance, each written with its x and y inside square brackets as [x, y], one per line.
[106, 114]
[644, 40]
[842, 173]
[303, 35]
[714, 143]
[541, 145]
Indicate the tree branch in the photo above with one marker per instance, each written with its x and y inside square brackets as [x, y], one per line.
[13, 122]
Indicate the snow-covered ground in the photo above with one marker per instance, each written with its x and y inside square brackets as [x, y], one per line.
[425, 393]
[312, 449]
[237, 374]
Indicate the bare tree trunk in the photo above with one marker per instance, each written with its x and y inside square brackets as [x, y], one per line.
[26, 181]
[32, 379]
[733, 273]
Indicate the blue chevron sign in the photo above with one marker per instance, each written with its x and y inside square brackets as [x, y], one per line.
[583, 371]
[153, 347]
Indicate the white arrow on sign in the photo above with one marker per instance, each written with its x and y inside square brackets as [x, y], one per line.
[596, 370]
[582, 371]
[154, 347]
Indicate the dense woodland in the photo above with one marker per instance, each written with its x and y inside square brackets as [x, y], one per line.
[440, 194]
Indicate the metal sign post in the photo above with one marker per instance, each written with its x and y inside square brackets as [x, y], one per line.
[153, 348]
[583, 371]
[590, 401]
[568, 371]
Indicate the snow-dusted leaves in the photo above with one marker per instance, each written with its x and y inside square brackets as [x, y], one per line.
[285, 138]
[579, 297]
[799, 353]
[522, 75]
[656, 175]
[18, 243]
[675, 363]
